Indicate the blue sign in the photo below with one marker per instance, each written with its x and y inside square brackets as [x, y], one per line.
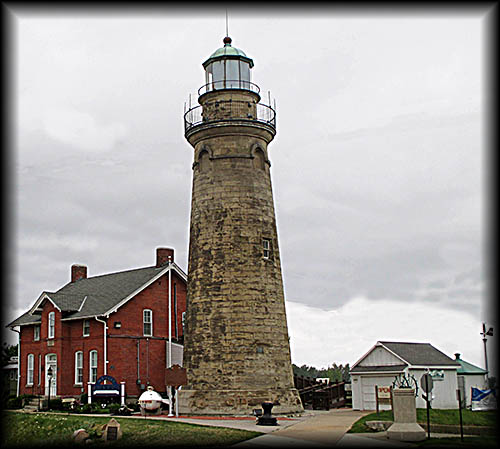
[106, 390]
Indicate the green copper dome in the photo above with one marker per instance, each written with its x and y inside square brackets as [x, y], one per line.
[228, 52]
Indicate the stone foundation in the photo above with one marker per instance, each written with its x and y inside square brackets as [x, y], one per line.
[237, 402]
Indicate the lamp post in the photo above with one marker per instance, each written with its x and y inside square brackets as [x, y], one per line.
[49, 375]
[484, 334]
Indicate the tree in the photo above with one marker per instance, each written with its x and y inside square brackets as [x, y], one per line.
[8, 351]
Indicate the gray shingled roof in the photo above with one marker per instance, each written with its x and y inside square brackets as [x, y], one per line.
[102, 293]
[381, 368]
[420, 354]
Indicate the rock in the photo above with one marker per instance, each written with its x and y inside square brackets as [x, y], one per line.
[80, 435]
[112, 430]
[379, 426]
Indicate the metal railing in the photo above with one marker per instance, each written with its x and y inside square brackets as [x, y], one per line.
[228, 84]
[228, 110]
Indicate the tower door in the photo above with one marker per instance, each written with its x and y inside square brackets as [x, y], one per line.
[51, 361]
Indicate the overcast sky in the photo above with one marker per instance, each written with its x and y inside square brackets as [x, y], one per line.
[377, 166]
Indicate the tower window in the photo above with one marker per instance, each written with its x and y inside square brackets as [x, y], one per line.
[266, 247]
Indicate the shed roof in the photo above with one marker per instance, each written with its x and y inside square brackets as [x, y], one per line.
[421, 354]
[469, 368]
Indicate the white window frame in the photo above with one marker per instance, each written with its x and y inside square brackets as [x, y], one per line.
[79, 368]
[266, 248]
[39, 369]
[30, 369]
[88, 328]
[36, 333]
[51, 325]
[144, 322]
[92, 366]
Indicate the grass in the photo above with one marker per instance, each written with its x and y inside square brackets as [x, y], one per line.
[56, 430]
[469, 418]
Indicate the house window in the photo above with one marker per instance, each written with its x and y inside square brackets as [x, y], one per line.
[31, 361]
[79, 367]
[93, 366]
[147, 319]
[36, 333]
[52, 322]
[266, 247]
[39, 369]
[86, 328]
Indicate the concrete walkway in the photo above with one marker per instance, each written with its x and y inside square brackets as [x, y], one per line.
[317, 428]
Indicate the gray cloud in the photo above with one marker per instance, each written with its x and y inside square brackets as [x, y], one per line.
[376, 166]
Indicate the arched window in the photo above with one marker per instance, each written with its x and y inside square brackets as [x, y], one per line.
[29, 376]
[52, 324]
[259, 159]
[93, 366]
[78, 367]
[147, 320]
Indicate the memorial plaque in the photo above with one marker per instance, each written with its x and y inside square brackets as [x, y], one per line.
[112, 433]
[112, 430]
[175, 376]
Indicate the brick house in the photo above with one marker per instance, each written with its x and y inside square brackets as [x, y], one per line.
[119, 317]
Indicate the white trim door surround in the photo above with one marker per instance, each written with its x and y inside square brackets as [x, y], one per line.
[51, 360]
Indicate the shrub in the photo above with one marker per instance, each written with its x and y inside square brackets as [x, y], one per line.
[56, 404]
[14, 403]
[113, 408]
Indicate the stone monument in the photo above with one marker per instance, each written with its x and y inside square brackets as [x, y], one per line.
[405, 427]
[236, 347]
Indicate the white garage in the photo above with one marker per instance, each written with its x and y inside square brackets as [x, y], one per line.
[387, 360]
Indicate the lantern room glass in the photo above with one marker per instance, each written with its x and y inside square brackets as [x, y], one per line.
[228, 74]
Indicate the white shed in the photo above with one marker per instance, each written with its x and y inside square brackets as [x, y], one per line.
[386, 360]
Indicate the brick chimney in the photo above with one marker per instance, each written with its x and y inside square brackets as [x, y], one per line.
[162, 256]
[457, 356]
[78, 272]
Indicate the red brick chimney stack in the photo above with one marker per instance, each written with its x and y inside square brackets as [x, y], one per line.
[163, 255]
[78, 272]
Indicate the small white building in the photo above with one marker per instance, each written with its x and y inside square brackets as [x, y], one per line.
[469, 376]
[386, 360]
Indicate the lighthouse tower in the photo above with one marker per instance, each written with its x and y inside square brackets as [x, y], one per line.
[236, 348]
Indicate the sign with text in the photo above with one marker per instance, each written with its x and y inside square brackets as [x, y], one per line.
[384, 392]
[383, 395]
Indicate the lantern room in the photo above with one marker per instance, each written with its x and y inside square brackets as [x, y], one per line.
[228, 68]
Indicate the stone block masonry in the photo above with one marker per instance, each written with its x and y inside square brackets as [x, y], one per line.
[237, 351]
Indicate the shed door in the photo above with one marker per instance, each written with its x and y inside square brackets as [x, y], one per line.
[368, 391]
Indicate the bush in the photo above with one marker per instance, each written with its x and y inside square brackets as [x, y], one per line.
[113, 408]
[87, 408]
[56, 404]
[14, 403]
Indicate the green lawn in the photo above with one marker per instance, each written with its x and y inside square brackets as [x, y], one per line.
[39, 429]
[469, 418]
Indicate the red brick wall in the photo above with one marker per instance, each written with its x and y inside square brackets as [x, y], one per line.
[122, 352]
